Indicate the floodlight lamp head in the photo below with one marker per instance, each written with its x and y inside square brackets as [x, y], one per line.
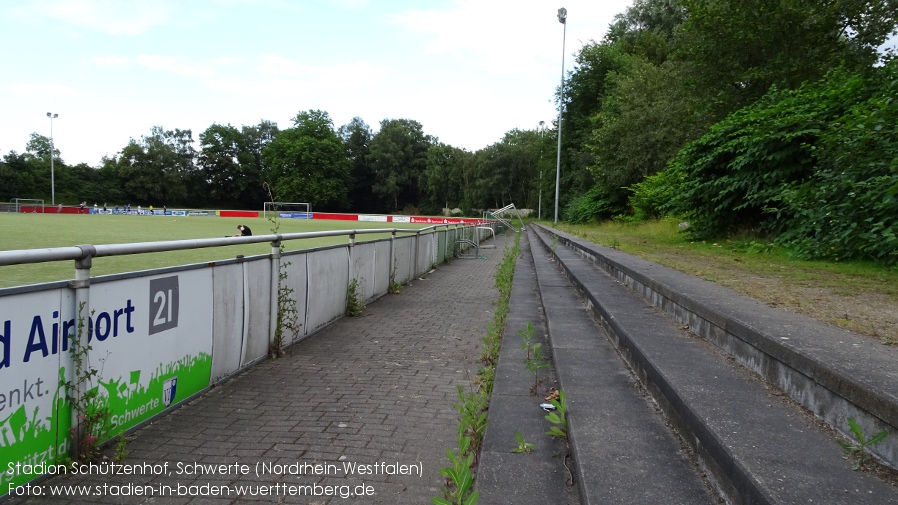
[562, 15]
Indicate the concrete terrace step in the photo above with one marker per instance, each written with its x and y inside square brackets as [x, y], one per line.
[753, 446]
[504, 477]
[623, 451]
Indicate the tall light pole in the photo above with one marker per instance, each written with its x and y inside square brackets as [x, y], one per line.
[52, 175]
[539, 205]
[562, 18]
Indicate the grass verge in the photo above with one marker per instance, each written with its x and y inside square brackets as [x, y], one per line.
[858, 296]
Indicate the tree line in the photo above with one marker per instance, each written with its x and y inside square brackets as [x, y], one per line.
[398, 168]
[775, 117]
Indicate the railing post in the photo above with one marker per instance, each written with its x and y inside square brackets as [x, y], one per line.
[81, 285]
[275, 290]
[417, 246]
[352, 239]
[392, 266]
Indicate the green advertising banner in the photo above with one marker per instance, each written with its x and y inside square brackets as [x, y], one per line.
[150, 344]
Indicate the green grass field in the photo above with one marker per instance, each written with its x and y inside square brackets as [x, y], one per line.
[34, 231]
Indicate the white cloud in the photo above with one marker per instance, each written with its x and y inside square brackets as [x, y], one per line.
[111, 61]
[175, 65]
[351, 4]
[335, 76]
[42, 90]
[108, 16]
[508, 34]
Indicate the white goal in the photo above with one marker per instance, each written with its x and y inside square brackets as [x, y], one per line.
[34, 203]
[296, 210]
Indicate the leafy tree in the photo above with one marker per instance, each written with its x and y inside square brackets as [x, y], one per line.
[17, 178]
[307, 163]
[357, 139]
[231, 163]
[220, 149]
[647, 116]
[442, 181]
[740, 48]
[257, 137]
[517, 168]
[159, 168]
[647, 29]
[399, 158]
[39, 146]
[734, 176]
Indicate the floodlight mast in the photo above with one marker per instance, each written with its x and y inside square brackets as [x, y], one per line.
[52, 175]
[562, 18]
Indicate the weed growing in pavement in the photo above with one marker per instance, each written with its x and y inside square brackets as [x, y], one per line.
[527, 335]
[523, 446]
[491, 344]
[559, 428]
[535, 364]
[859, 449]
[355, 303]
[459, 478]
[486, 377]
[534, 360]
[558, 417]
[395, 287]
[121, 447]
[287, 318]
[92, 414]
[471, 408]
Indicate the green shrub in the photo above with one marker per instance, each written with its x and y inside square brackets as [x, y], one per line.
[848, 209]
[735, 176]
[587, 207]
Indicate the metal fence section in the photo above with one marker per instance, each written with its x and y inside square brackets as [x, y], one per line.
[158, 337]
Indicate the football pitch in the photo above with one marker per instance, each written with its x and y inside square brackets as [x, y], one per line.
[37, 231]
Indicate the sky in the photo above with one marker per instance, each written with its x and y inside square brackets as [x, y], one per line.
[468, 70]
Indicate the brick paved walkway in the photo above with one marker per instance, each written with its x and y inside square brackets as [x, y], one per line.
[374, 389]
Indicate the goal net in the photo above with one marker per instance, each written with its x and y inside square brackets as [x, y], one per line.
[295, 210]
[28, 204]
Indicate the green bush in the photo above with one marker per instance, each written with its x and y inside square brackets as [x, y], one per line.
[587, 207]
[653, 195]
[735, 176]
[848, 209]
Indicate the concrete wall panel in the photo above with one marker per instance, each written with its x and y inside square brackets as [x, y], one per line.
[403, 258]
[362, 268]
[426, 252]
[257, 308]
[297, 281]
[328, 274]
[227, 320]
[382, 267]
[441, 245]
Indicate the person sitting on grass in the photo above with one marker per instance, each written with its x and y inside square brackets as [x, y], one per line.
[244, 231]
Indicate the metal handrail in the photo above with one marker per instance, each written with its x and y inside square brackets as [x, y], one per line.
[80, 252]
